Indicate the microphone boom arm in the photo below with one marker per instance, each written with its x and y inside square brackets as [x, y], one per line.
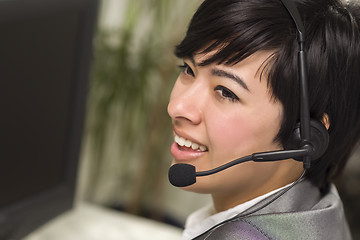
[260, 157]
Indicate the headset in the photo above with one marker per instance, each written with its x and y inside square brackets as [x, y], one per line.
[308, 133]
[308, 141]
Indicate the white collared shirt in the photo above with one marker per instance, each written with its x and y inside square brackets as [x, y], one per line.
[205, 218]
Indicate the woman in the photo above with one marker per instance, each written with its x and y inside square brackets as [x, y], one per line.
[238, 94]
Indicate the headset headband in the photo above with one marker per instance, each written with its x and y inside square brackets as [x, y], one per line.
[304, 98]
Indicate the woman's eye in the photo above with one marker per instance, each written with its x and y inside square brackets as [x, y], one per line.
[185, 68]
[226, 93]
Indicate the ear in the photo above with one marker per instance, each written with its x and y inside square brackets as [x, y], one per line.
[326, 121]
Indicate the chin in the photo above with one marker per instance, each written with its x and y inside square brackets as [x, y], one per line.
[201, 186]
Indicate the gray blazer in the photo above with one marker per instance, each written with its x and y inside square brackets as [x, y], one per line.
[301, 213]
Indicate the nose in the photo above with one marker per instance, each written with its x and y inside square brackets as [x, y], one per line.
[187, 103]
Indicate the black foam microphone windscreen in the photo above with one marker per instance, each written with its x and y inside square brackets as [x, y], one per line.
[182, 175]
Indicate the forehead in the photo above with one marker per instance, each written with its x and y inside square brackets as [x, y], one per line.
[259, 62]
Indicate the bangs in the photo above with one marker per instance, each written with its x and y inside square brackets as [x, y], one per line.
[234, 31]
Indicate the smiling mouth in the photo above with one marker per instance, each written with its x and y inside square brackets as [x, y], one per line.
[186, 145]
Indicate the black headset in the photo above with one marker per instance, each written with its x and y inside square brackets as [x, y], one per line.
[308, 133]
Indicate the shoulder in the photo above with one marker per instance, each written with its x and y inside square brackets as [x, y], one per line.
[236, 229]
[302, 213]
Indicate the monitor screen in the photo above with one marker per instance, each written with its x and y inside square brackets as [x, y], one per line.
[44, 70]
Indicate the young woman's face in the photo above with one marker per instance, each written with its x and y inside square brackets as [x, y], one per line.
[221, 113]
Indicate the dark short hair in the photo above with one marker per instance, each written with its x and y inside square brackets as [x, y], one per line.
[239, 28]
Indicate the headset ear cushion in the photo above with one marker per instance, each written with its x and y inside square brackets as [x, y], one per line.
[319, 137]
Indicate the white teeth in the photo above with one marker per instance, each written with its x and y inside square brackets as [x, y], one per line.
[194, 146]
[187, 143]
[181, 141]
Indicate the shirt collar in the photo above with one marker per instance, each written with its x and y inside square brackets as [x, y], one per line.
[205, 218]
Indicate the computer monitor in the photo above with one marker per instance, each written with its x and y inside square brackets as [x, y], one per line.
[45, 56]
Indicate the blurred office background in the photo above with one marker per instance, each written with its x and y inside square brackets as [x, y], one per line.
[128, 132]
[125, 154]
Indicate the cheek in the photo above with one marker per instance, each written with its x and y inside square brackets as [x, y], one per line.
[229, 138]
[241, 134]
[229, 132]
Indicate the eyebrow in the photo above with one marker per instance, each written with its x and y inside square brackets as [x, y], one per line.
[192, 60]
[222, 73]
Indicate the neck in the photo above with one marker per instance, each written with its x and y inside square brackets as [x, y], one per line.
[230, 198]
